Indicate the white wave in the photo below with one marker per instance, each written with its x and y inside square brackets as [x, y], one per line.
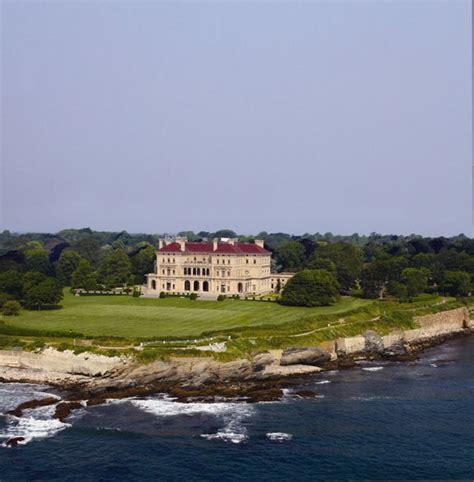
[323, 382]
[232, 415]
[279, 436]
[433, 365]
[373, 369]
[13, 394]
[35, 424]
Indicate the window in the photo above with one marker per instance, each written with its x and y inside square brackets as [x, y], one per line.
[247, 261]
[187, 285]
[254, 261]
[153, 285]
[228, 261]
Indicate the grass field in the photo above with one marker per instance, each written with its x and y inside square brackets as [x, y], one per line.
[129, 317]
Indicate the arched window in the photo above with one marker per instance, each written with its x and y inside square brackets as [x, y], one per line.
[187, 285]
[205, 286]
[153, 284]
[240, 288]
[196, 286]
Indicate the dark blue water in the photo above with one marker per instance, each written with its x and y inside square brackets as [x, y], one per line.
[403, 421]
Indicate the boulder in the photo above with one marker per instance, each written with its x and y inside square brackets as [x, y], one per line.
[14, 441]
[261, 360]
[395, 350]
[373, 342]
[314, 355]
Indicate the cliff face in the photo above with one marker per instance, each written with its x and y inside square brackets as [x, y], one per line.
[95, 372]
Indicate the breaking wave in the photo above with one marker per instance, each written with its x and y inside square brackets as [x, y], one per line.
[232, 415]
[35, 424]
[372, 369]
[279, 436]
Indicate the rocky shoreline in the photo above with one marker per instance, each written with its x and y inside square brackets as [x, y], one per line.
[93, 379]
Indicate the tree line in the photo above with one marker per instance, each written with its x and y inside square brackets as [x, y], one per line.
[35, 267]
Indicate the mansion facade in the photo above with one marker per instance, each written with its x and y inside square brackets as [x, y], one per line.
[218, 267]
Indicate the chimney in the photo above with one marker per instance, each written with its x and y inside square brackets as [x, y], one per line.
[160, 243]
[214, 244]
[232, 241]
[182, 244]
[259, 242]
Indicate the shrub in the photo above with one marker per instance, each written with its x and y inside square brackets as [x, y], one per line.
[162, 294]
[136, 293]
[4, 297]
[221, 298]
[193, 296]
[316, 287]
[10, 308]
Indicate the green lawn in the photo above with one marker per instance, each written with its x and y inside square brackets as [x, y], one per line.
[145, 317]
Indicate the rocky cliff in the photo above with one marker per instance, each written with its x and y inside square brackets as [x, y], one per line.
[95, 373]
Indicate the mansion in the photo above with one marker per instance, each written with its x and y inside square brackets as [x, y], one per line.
[224, 266]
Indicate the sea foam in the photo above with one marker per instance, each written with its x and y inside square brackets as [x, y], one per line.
[279, 436]
[232, 415]
[35, 424]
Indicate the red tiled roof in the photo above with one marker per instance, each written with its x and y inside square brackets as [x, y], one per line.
[222, 248]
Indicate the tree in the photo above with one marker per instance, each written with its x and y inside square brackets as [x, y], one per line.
[347, 259]
[322, 263]
[31, 279]
[89, 249]
[290, 255]
[46, 294]
[376, 275]
[115, 269]
[11, 308]
[278, 286]
[398, 290]
[38, 260]
[67, 264]
[79, 276]
[11, 282]
[316, 287]
[143, 262]
[415, 280]
[455, 283]
[90, 282]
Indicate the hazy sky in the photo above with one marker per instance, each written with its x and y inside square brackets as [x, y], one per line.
[287, 116]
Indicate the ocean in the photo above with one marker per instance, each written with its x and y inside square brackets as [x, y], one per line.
[379, 421]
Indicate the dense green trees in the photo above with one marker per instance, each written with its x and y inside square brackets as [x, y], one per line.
[378, 265]
[81, 274]
[38, 260]
[115, 269]
[67, 264]
[290, 255]
[415, 281]
[143, 262]
[347, 259]
[456, 283]
[316, 287]
[46, 293]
